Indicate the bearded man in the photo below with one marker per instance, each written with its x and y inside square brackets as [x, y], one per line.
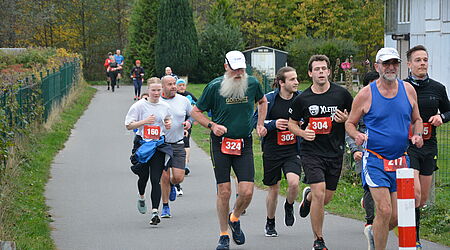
[231, 98]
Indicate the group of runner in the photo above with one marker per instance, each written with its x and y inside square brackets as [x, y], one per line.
[305, 130]
[114, 69]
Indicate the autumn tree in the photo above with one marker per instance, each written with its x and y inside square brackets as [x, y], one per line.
[176, 40]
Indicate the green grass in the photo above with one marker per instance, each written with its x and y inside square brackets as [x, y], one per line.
[346, 201]
[28, 218]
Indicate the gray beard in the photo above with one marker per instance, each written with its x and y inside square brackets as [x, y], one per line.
[232, 88]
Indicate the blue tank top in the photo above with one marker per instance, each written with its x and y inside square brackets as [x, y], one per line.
[388, 123]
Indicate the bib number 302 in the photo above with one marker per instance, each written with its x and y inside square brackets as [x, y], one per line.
[320, 125]
[152, 132]
[231, 146]
[392, 165]
[285, 138]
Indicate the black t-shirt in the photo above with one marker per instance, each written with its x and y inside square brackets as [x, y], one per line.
[187, 93]
[270, 147]
[431, 96]
[308, 105]
[136, 72]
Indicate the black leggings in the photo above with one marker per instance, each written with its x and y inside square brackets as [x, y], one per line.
[153, 169]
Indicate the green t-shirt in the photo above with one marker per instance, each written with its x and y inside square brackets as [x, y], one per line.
[235, 114]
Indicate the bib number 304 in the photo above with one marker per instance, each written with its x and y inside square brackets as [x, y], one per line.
[392, 165]
[152, 132]
[320, 125]
[231, 146]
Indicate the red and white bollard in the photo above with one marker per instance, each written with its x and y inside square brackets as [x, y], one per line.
[406, 209]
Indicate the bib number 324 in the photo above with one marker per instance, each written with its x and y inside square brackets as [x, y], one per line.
[392, 165]
[152, 132]
[231, 146]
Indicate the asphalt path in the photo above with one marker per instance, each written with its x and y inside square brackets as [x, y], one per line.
[92, 197]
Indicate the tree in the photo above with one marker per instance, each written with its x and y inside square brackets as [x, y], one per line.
[176, 40]
[142, 34]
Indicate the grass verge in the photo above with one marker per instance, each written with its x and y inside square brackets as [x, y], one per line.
[25, 219]
[346, 201]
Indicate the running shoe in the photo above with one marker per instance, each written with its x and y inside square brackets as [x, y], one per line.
[186, 170]
[135, 98]
[270, 229]
[305, 205]
[173, 193]
[319, 244]
[238, 235]
[166, 212]
[155, 218]
[289, 217]
[418, 245]
[179, 190]
[224, 243]
[141, 206]
[368, 232]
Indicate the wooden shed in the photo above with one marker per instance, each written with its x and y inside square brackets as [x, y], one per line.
[265, 59]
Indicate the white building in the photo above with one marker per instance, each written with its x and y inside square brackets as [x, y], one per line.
[412, 22]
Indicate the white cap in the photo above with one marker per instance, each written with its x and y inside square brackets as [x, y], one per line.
[235, 59]
[385, 54]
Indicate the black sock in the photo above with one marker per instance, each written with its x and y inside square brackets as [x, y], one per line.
[289, 204]
[271, 220]
[165, 204]
[417, 224]
[370, 222]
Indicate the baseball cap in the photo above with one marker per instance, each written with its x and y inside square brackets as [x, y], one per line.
[235, 59]
[180, 81]
[138, 61]
[385, 54]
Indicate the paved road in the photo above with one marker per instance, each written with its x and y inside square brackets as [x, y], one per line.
[92, 195]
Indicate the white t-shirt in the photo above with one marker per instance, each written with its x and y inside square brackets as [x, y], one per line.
[180, 107]
[143, 109]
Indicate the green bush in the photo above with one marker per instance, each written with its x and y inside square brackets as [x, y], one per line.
[300, 50]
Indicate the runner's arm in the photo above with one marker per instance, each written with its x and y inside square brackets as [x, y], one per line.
[359, 108]
[262, 113]
[416, 120]
[198, 115]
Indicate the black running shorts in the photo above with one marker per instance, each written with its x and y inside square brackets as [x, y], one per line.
[424, 160]
[273, 168]
[322, 169]
[242, 165]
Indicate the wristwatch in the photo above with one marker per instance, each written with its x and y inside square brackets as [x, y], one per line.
[210, 125]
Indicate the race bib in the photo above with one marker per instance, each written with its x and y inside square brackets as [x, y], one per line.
[231, 146]
[392, 165]
[320, 125]
[427, 129]
[286, 138]
[152, 132]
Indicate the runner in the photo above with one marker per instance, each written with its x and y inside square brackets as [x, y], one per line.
[120, 60]
[106, 65]
[231, 98]
[113, 70]
[389, 106]
[137, 75]
[324, 108]
[168, 71]
[154, 116]
[367, 202]
[280, 148]
[181, 89]
[181, 109]
[431, 96]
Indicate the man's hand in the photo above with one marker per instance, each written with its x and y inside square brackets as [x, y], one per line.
[186, 125]
[218, 129]
[357, 155]
[262, 131]
[341, 117]
[309, 134]
[417, 140]
[168, 124]
[436, 120]
[281, 124]
[360, 139]
[150, 119]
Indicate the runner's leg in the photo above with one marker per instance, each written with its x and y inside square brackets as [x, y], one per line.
[272, 200]
[292, 193]
[383, 208]
[156, 169]
[223, 204]
[317, 208]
